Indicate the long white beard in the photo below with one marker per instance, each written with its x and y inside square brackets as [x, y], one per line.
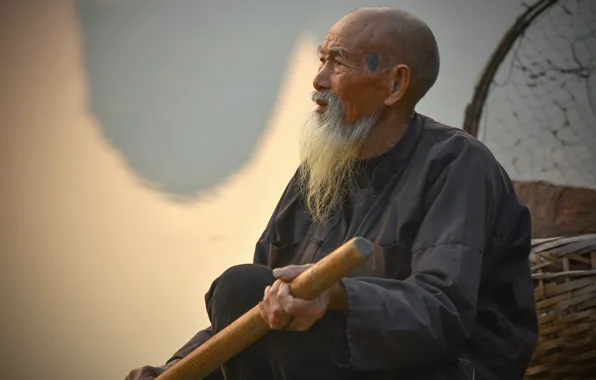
[329, 148]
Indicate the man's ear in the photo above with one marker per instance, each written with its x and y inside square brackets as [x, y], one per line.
[399, 82]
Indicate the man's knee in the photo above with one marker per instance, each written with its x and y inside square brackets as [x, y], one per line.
[237, 290]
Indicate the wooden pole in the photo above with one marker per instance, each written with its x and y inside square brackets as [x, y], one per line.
[250, 327]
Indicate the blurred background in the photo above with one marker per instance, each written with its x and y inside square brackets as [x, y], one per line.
[144, 144]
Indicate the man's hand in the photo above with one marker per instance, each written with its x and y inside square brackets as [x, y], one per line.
[282, 311]
[148, 372]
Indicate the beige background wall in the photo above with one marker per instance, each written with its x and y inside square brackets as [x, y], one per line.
[100, 272]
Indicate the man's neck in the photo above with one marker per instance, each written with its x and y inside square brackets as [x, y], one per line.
[386, 134]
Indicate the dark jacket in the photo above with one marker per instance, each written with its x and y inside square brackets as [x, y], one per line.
[452, 281]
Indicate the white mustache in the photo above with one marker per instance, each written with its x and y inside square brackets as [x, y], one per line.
[325, 96]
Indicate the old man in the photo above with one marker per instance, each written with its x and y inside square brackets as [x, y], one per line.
[450, 294]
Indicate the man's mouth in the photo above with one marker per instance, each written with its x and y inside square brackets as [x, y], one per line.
[321, 102]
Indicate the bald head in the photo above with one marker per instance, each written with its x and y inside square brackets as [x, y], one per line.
[393, 37]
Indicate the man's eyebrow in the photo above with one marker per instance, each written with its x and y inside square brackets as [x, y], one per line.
[332, 52]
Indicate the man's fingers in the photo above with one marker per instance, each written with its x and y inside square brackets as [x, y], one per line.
[285, 273]
[277, 315]
[279, 306]
[271, 310]
[290, 272]
[270, 292]
[285, 299]
[275, 288]
[298, 307]
[263, 312]
[265, 305]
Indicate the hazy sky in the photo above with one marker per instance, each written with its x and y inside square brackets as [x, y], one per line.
[184, 88]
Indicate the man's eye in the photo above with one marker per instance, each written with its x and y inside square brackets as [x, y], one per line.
[334, 62]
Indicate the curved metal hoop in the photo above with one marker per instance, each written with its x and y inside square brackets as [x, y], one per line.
[474, 109]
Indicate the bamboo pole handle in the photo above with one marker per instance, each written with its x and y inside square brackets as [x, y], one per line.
[250, 327]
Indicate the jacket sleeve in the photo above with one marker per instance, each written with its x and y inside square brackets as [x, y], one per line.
[395, 324]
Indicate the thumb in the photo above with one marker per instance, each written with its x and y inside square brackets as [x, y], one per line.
[290, 272]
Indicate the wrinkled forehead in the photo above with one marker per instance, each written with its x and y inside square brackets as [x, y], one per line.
[338, 46]
[352, 37]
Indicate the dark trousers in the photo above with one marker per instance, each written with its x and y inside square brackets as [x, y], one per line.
[280, 355]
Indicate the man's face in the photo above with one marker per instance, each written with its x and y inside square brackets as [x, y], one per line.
[350, 71]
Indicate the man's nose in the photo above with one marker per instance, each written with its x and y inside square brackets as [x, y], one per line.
[321, 81]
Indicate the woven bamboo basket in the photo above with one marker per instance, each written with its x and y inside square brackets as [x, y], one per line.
[564, 273]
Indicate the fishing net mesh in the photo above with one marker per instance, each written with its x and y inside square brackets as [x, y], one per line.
[540, 115]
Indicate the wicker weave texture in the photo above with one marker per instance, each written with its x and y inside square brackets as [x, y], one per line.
[564, 273]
